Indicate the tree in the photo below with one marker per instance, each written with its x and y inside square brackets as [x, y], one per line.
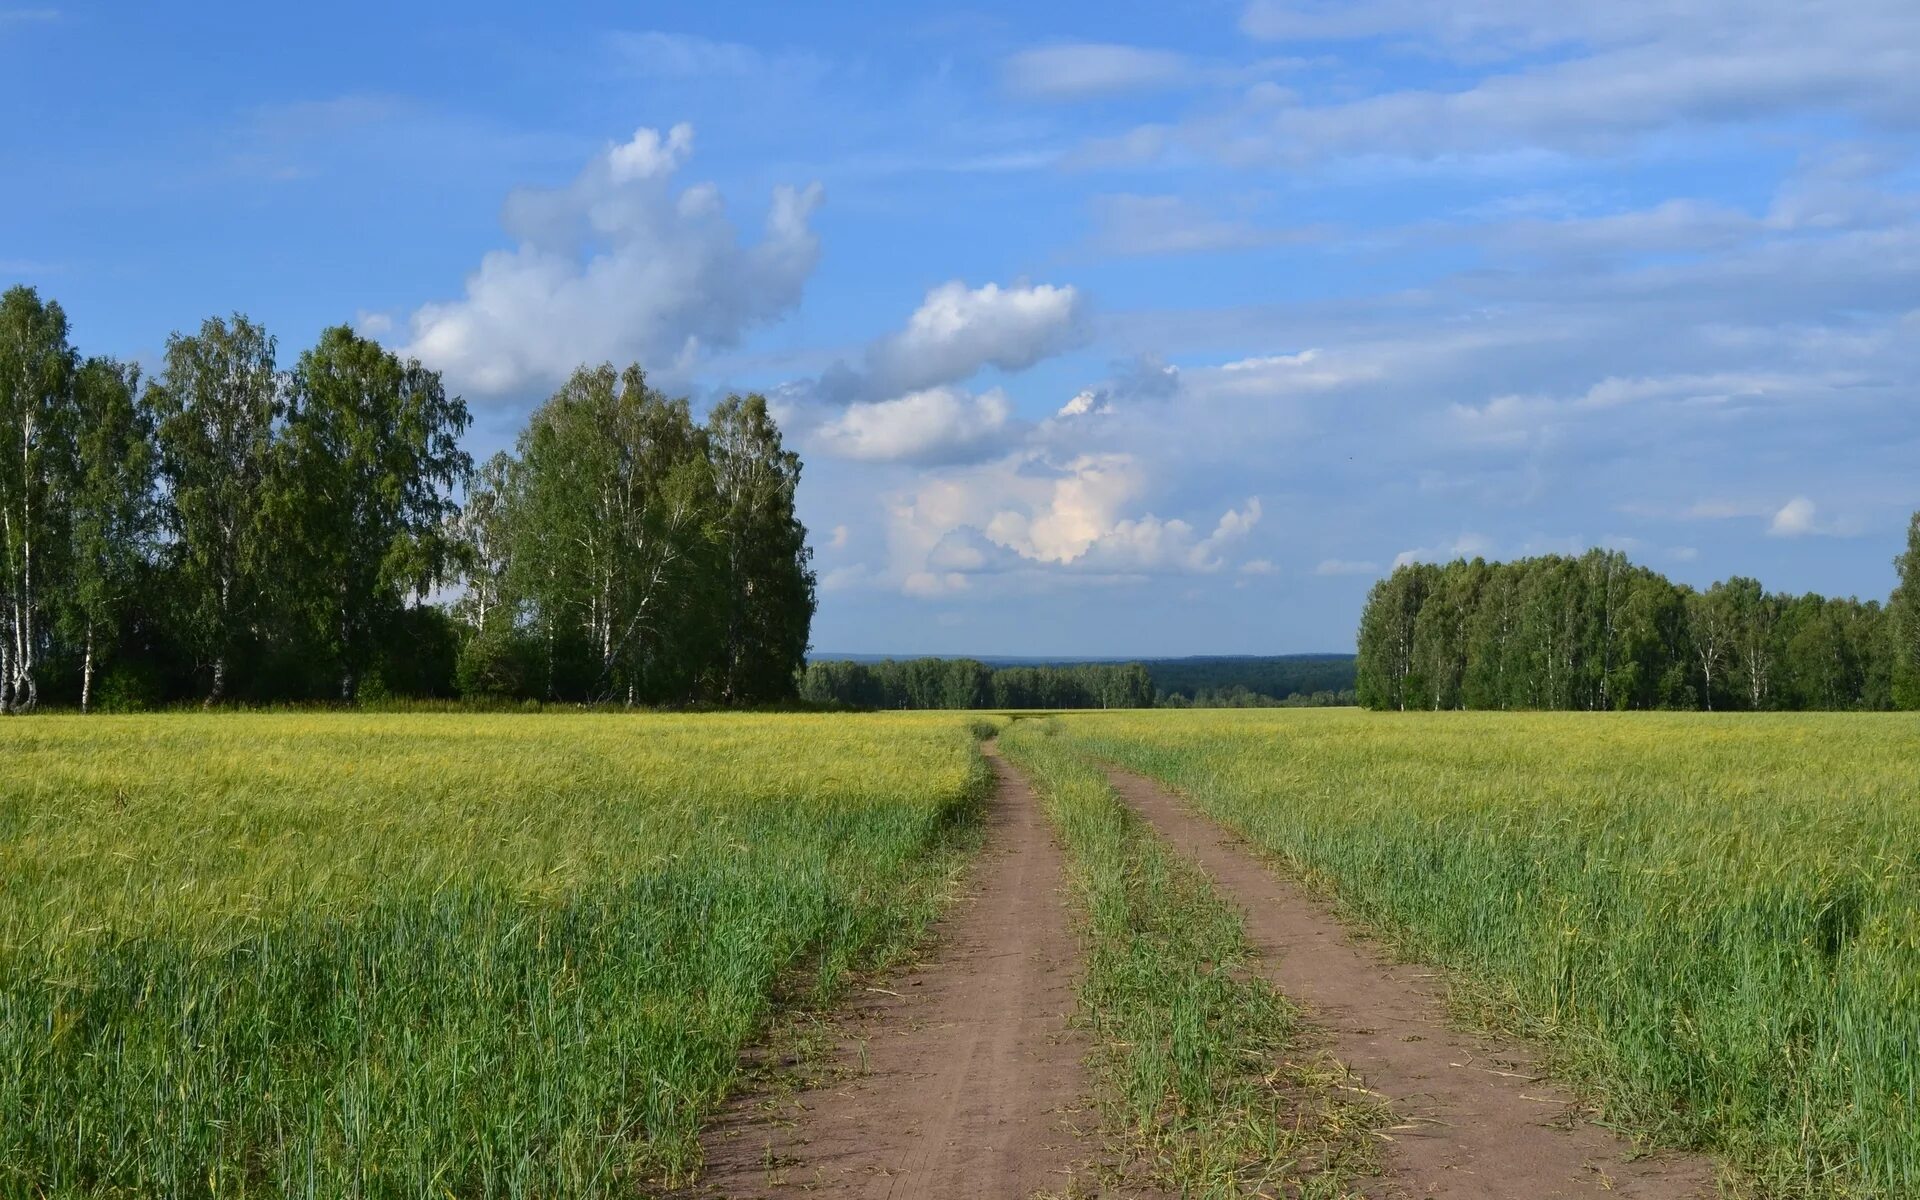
[1711, 631]
[766, 584]
[36, 381]
[1903, 613]
[613, 544]
[1752, 616]
[114, 520]
[218, 408]
[372, 450]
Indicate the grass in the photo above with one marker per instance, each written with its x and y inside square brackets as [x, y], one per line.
[1712, 921]
[339, 955]
[1200, 1074]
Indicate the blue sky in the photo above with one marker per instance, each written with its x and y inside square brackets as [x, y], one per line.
[1104, 329]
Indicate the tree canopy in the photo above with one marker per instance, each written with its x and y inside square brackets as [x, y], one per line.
[235, 530]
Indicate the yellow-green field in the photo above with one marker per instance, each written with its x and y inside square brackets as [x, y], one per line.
[447, 955]
[1714, 921]
[519, 956]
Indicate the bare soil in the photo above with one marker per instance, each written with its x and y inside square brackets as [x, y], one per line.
[1475, 1117]
[960, 1076]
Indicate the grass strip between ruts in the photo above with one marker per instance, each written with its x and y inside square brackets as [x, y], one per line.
[1202, 1077]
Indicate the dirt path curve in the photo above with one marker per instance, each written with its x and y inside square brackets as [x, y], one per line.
[970, 1071]
[1475, 1120]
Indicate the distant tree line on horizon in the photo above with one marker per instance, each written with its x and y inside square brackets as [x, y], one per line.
[233, 531]
[964, 683]
[1598, 632]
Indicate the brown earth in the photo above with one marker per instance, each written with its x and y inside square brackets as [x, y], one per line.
[960, 1076]
[1475, 1118]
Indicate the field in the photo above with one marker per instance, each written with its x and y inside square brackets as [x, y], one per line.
[340, 955]
[1713, 922]
[522, 955]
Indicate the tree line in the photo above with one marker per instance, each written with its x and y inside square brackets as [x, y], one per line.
[230, 530]
[1598, 632]
[969, 683]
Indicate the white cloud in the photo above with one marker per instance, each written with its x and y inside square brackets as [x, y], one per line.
[1339, 566]
[372, 324]
[934, 425]
[1085, 403]
[650, 156]
[617, 266]
[1467, 545]
[1083, 69]
[1799, 518]
[957, 330]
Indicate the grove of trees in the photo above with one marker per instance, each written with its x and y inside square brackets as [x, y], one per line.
[1598, 632]
[234, 530]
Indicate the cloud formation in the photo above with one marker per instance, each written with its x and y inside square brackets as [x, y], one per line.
[1080, 70]
[618, 265]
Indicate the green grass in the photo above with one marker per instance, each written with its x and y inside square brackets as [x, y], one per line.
[452, 955]
[1713, 921]
[1200, 1076]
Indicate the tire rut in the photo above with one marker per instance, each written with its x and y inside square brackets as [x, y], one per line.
[1476, 1119]
[962, 1075]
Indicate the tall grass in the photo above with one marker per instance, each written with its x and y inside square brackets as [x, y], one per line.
[1714, 921]
[349, 955]
[1197, 1066]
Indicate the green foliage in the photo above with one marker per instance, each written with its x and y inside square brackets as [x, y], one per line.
[1597, 632]
[249, 534]
[967, 683]
[1903, 625]
[400, 956]
[1205, 680]
[1714, 924]
[626, 554]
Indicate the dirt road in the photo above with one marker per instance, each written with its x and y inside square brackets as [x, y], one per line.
[967, 1077]
[1475, 1120]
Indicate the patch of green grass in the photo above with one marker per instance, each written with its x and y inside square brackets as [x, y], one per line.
[336, 955]
[1712, 921]
[1201, 1074]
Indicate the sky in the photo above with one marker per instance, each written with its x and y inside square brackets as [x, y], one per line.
[1103, 329]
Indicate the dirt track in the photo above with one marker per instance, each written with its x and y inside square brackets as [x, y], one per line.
[970, 1072]
[1475, 1120]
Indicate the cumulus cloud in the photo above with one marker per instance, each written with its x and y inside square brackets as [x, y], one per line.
[934, 425]
[1799, 517]
[618, 265]
[1079, 70]
[957, 330]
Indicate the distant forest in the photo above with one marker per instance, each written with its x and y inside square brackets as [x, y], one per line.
[232, 530]
[1211, 682]
[1598, 632]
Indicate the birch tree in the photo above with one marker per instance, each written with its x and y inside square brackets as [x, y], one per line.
[36, 381]
[372, 453]
[218, 407]
[614, 546]
[766, 584]
[113, 517]
[1903, 621]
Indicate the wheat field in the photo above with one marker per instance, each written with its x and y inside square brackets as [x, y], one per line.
[457, 955]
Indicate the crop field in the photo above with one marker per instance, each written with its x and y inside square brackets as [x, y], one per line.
[1712, 922]
[451, 955]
